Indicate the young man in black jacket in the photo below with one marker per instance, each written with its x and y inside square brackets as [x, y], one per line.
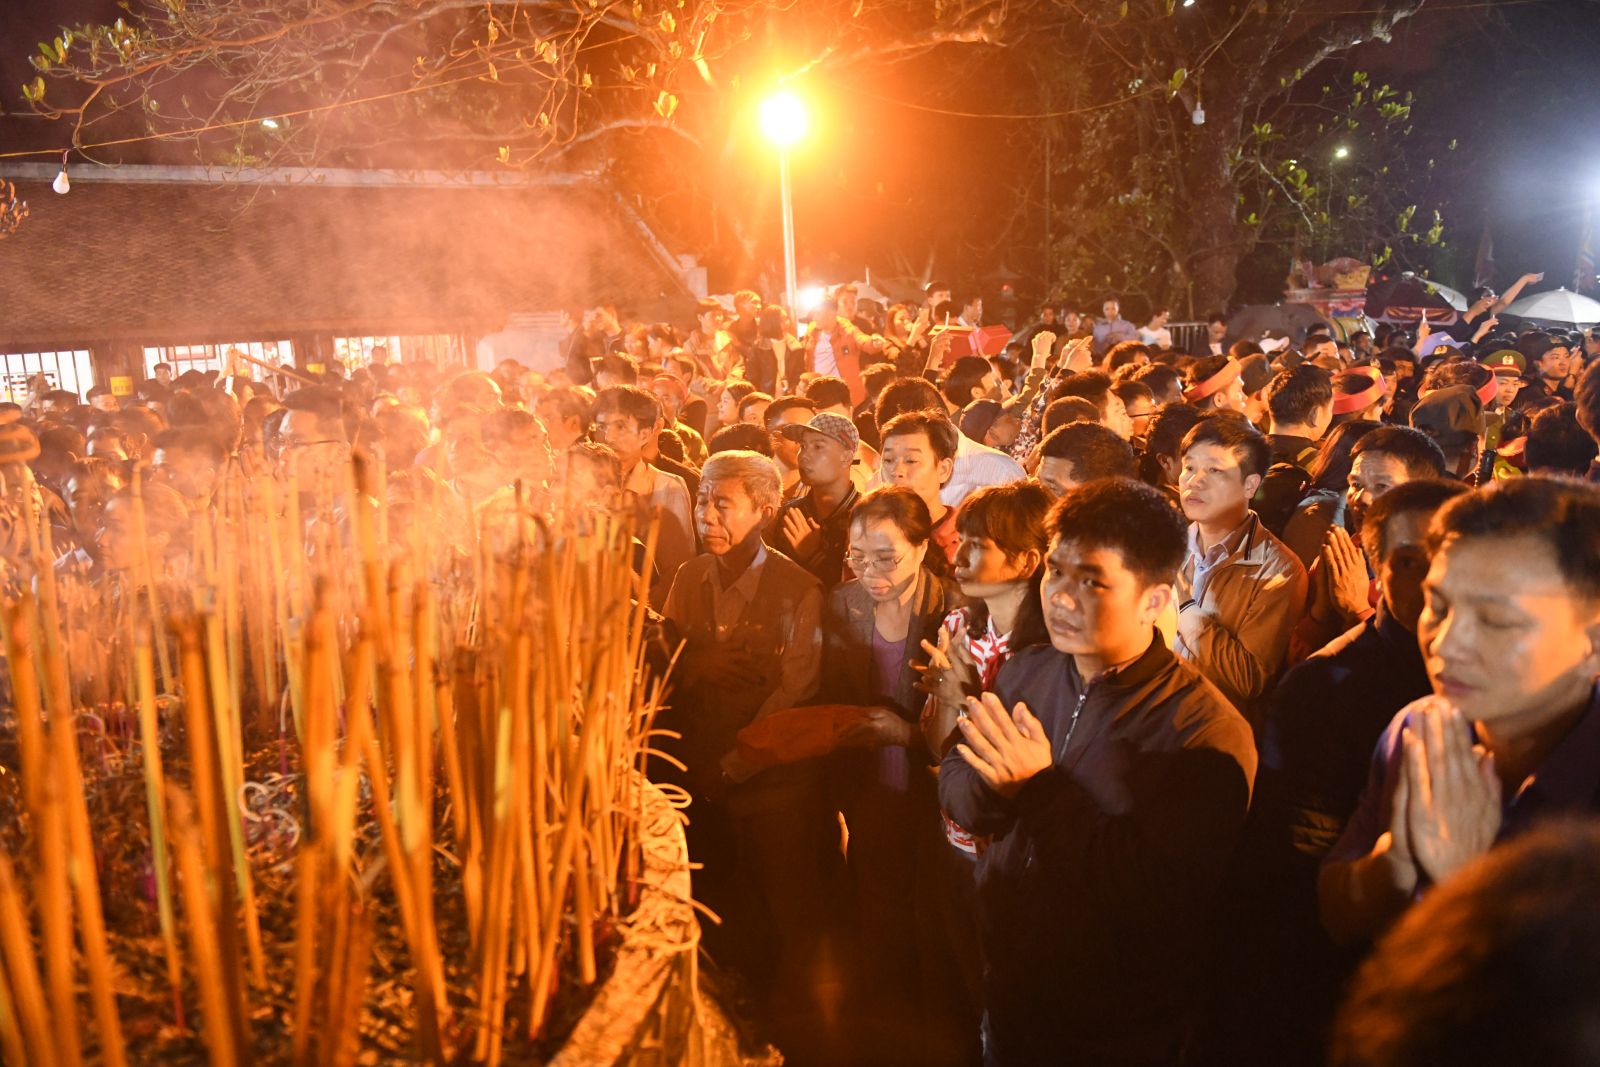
[1114, 781]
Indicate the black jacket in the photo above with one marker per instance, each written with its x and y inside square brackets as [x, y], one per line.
[1286, 481]
[1275, 992]
[1096, 899]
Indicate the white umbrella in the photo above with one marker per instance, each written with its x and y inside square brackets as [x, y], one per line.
[1560, 307]
[1455, 299]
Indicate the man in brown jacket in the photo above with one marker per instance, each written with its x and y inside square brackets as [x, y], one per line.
[1240, 590]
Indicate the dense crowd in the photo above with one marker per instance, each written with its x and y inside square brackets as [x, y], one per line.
[1091, 701]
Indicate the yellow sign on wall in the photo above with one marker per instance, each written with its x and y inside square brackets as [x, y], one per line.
[121, 386]
[315, 368]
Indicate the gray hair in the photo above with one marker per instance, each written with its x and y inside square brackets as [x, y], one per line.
[757, 474]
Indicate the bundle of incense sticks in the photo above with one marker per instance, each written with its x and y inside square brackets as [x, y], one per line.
[460, 697]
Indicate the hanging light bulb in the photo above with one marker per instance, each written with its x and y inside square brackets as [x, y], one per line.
[62, 184]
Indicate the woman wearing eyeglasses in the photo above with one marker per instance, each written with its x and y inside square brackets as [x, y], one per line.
[872, 657]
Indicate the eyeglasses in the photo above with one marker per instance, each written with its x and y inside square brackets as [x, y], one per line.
[864, 565]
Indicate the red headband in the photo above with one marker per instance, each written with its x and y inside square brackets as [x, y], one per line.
[1490, 390]
[1345, 403]
[1216, 383]
[1486, 392]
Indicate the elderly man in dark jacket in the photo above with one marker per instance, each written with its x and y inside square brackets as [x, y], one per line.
[1115, 781]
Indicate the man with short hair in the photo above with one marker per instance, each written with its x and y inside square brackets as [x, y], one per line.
[834, 346]
[1240, 589]
[1510, 635]
[671, 392]
[1557, 444]
[1549, 357]
[1155, 332]
[1329, 711]
[1323, 350]
[1095, 387]
[707, 343]
[103, 400]
[745, 327]
[751, 623]
[314, 444]
[832, 394]
[813, 529]
[191, 461]
[1211, 342]
[976, 465]
[919, 451]
[566, 414]
[1163, 381]
[1083, 452]
[788, 410]
[1320, 726]
[1112, 327]
[1139, 404]
[970, 378]
[971, 311]
[1216, 383]
[627, 419]
[1114, 781]
[1522, 939]
[1387, 457]
[1300, 410]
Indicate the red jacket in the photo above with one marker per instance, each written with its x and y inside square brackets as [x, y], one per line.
[849, 346]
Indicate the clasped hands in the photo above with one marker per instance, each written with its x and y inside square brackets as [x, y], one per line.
[1005, 748]
[1445, 810]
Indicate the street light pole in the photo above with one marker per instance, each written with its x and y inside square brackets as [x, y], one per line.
[784, 120]
[790, 281]
[1338, 153]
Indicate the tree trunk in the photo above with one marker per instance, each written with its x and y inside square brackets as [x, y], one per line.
[1213, 239]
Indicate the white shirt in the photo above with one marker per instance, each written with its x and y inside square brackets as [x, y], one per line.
[1161, 338]
[822, 357]
[976, 466]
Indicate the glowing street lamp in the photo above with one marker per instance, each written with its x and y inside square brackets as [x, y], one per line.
[1341, 152]
[784, 120]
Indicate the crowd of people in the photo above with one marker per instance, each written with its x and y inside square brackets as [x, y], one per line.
[1092, 702]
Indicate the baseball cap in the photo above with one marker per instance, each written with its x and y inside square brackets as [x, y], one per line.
[834, 427]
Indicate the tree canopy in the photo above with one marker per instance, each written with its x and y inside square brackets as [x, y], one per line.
[1152, 147]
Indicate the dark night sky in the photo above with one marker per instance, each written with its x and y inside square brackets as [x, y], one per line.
[1519, 89]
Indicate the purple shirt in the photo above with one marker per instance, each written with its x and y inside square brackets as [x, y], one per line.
[1568, 781]
[888, 658]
